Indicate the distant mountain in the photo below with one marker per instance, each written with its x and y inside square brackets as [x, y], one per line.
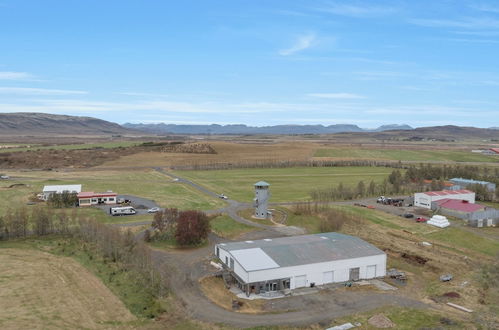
[393, 127]
[37, 124]
[243, 129]
[448, 132]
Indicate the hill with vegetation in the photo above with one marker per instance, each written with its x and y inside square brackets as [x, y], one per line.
[36, 124]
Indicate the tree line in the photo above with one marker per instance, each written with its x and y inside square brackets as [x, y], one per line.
[272, 163]
[413, 180]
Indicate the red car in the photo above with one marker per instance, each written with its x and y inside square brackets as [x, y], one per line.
[421, 219]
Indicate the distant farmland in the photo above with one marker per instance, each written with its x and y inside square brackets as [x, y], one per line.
[405, 155]
[287, 184]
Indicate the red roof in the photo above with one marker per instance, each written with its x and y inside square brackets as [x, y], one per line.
[448, 192]
[496, 150]
[91, 194]
[459, 205]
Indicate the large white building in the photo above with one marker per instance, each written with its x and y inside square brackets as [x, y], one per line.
[59, 189]
[424, 199]
[300, 261]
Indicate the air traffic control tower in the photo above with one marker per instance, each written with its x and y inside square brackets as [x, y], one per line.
[262, 195]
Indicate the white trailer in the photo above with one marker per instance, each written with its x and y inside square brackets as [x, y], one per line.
[124, 210]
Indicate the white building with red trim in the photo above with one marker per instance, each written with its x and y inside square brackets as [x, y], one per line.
[424, 199]
[90, 198]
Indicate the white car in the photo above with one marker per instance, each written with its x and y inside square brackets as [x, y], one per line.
[153, 210]
[222, 196]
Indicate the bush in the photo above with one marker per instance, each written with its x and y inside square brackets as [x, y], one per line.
[193, 228]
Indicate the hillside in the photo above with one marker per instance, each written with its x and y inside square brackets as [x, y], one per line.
[41, 124]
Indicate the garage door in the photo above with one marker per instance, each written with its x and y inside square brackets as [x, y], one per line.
[327, 277]
[371, 271]
[300, 281]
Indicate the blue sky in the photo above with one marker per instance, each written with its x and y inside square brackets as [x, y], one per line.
[254, 62]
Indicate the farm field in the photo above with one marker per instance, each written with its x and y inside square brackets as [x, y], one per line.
[286, 184]
[43, 291]
[405, 155]
[145, 183]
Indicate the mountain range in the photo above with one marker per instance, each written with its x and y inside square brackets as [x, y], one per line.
[42, 124]
[216, 129]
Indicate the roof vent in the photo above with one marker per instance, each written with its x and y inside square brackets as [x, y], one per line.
[249, 242]
[267, 240]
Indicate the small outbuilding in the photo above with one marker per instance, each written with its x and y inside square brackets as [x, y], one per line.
[91, 198]
[425, 199]
[460, 183]
[59, 189]
[277, 264]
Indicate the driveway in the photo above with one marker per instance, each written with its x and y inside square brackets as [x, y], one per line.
[140, 204]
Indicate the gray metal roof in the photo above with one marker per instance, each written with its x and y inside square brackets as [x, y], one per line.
[262, 184]
[307, 249]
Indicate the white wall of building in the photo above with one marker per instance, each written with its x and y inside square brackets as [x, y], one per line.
[425, 200]
[315, 273]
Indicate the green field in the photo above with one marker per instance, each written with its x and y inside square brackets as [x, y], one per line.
[147, 184]
[106, 145]
[286, 184]
[225, 226]
[405, 155]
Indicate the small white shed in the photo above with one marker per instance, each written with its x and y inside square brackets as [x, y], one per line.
[59, 189]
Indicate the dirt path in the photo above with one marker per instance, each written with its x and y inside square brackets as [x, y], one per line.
[185, 268]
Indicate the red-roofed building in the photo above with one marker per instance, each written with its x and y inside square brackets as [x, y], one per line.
[459, 205]
[425, 199]
[496, 150]
[92, 198]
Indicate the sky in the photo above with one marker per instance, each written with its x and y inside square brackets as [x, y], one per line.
[258, 62]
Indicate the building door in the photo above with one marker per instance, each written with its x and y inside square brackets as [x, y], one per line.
[327, 277]
[231, 263]
[300, 281]
[371, 271]
[354, 274]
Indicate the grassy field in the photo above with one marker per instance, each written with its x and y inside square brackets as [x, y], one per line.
[404, 318]
[286, 184]
[144, 183]
[225, 226]
[405, 155]
[42, 290]
[466, 240]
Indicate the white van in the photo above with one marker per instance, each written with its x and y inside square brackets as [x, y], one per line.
[125, 210]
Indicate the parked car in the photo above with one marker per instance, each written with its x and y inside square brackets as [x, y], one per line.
[153, 210]
[446, 277]
[408, 215]
[222, 196]
[421, 219]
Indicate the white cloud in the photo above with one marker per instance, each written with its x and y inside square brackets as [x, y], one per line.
[10, 75]
[357, 11]
[38, 91]
[301, 43]
[338, 96]
[465, 23]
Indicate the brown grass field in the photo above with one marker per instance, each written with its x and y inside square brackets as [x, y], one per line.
[39, 290]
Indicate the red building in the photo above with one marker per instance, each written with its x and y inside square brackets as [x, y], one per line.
[91, 198]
